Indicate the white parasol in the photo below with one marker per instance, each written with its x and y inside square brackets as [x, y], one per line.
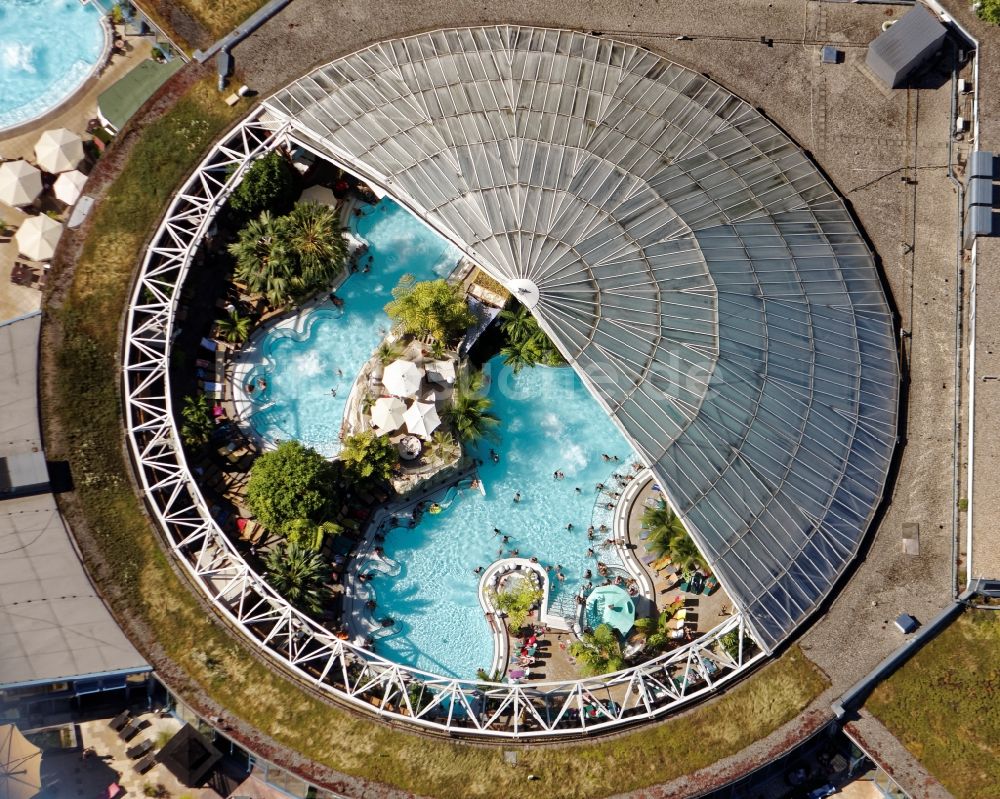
[422, 419]
[59, 150]
[69, 185]
[37, 237]
[402, 378]
[387, 414]
[20, 183]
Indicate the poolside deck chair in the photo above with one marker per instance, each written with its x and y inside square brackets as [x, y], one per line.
[146, 763]
[649, 560]
[119, 721]
[130, 730]
[140, 749]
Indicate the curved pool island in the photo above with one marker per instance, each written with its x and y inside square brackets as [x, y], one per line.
[698, 273]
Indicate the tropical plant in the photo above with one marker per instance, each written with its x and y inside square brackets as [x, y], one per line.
[368, 456]
[291, 482]
[297, 573]
[469, 412]
[516, 602]
[668, 536]
[598, 652]
[315, 239]
[988, 10]
[527, 344]
[388, 351]
[196, 429]
[269, 184]
[730, 642]
[310, 534]
[419, 694]
[263, 261]
[116, 14]
[430, 308]
[442, 447]
[437, 348]
[520, 354]
[234, 328]
[655, 629]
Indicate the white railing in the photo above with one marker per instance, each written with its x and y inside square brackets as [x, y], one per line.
[300, 645]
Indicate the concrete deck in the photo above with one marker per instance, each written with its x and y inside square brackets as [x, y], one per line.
[20, 143]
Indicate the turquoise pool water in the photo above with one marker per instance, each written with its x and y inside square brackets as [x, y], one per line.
[549, 422]
[47, 49]
[301, 369]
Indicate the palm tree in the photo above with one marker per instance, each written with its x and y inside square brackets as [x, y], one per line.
[598, 652]
[197, 427]
[469, 412]
[296, 572]
[389, 351]
[655, 629]
[667, 535]
[263, 261]
[443, 447]
[518, 325]
[368, 456]
[234, 328]
[310, 534]
[315, 239]
[663, 525]
[525, 352]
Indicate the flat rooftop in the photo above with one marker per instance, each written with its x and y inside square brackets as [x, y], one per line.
[53, 625]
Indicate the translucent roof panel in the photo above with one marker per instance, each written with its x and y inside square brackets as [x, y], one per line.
[685, 256]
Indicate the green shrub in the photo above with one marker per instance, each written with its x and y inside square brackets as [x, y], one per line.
[517, 602]
[988, 11]
[269, 184]
[288, 483]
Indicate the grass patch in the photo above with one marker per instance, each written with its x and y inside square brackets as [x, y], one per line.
[198, 23]
[942, 705]
[81, 393]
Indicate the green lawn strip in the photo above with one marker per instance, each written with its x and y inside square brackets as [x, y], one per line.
[84, 401]
[944, 705]
[212, 19]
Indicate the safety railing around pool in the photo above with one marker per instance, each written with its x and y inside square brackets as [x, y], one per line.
[299, 645]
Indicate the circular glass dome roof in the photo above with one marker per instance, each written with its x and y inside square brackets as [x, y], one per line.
[685, 255]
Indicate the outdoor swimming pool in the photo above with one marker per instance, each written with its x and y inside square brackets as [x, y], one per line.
[549, 422]
[48, 48]
[300, 369]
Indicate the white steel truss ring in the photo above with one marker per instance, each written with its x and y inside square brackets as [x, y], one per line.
[347, 673]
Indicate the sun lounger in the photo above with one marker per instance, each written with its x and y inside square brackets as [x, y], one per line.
[130, 730]
[146, 763]
[649, 560]
[139, 749]
[119, 721]
[644, 534]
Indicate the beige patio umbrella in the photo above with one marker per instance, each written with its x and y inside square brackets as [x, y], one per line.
[59, 150]
[37, 237]
[20, 765]
[422, 419]
[402, 378]
[69, 185]
[387, 414]
[20, 183]
[318, 194]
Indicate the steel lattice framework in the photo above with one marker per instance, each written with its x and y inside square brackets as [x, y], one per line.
[685, 256]
[300, 645]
